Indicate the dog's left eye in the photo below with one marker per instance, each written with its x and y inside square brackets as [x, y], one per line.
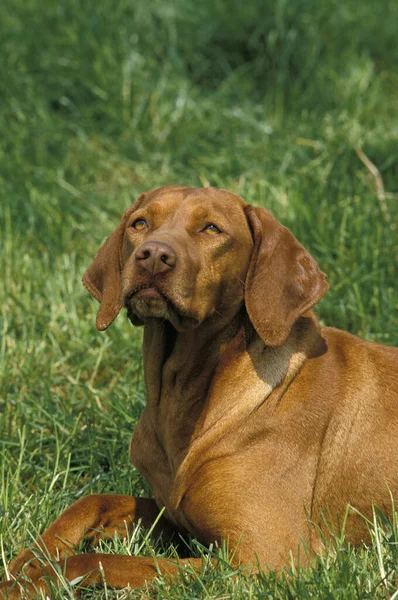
[212, 229]
[140, 224]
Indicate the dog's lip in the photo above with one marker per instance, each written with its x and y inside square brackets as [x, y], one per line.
[145, 292]
[148, 293]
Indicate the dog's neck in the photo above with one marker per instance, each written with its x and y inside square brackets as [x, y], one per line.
[196, 380]
[182, 364]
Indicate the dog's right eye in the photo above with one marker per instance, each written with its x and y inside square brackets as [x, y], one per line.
[140, 224]
[211, 229]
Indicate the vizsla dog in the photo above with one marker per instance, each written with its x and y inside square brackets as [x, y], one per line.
[257, 419]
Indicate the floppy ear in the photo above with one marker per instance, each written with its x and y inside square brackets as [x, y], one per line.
[283, 280]
[102, 278]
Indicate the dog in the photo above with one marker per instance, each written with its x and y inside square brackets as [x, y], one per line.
[258, 421]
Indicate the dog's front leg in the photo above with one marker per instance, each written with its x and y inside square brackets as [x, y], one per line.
[118, 571]
[90, 518]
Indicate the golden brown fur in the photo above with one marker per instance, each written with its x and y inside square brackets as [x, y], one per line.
[257, 419]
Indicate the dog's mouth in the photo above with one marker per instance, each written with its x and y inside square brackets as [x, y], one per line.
[148, 294]
[148, 301]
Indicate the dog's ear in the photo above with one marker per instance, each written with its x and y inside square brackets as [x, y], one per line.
[102, 278]
[283, 280]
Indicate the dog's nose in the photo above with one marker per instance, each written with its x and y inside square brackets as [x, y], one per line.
[156, 257]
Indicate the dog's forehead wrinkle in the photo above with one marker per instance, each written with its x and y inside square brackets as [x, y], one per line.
[194, 208]
[182, 194]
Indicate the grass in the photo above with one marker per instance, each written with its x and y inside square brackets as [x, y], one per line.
[100, 101]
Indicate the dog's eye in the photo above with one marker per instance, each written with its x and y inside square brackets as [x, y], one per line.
[140, 224]
[212, 229]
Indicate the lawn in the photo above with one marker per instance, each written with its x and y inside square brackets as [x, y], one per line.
[293, 106]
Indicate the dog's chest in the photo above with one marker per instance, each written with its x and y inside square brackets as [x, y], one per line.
[152, 460]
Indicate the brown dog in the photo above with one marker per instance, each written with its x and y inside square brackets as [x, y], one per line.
[257, 419]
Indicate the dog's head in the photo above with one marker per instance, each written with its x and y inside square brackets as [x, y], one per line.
[191, 254]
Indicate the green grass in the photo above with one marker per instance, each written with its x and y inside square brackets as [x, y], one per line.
[100, 101]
